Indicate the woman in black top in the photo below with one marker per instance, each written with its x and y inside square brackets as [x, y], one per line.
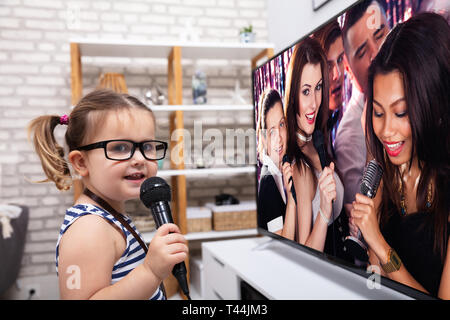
[276, 208]
[407, 123]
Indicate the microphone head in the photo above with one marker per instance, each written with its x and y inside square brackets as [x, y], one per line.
[155, 189]
[371, 179]
[285, 159]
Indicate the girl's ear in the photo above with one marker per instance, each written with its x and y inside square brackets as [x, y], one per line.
[78, 161]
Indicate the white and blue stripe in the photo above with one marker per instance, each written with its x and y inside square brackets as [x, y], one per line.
[133, 255]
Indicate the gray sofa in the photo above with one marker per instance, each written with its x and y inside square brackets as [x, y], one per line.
[11, 250]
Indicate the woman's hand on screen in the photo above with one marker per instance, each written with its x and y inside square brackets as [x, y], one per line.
[327, 188]
[364, 216]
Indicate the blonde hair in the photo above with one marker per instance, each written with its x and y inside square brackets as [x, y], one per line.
[82, 120]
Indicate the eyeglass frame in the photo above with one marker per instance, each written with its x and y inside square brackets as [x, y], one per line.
[103, 144]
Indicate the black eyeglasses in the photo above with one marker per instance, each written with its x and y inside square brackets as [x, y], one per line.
[124, 149]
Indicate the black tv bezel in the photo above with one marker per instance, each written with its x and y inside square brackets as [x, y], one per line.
[384, 281]
[392, 284]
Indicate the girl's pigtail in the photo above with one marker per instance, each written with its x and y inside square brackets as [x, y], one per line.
[50, 153]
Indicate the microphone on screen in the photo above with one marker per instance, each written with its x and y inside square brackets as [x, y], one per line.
[319, 145]
[371, 180]
[285, 159]
[156, 194]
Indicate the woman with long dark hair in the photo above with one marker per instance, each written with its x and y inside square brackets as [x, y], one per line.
[319, 191]
[407, 123]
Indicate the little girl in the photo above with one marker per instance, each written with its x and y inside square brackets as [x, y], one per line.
[111, 145]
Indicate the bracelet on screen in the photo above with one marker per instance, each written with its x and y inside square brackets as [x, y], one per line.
[323, 216]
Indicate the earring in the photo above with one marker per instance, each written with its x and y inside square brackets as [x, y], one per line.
[428, 204]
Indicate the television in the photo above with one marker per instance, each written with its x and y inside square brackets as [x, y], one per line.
[299, 75]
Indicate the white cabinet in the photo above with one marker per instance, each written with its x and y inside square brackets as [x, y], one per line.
[221, 282]
[279, 271]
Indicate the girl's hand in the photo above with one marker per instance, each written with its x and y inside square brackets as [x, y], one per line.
[287, 177]
[327, 188]
[167, 248]
[364, 216]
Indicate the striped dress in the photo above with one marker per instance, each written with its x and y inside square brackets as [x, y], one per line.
[133, 255]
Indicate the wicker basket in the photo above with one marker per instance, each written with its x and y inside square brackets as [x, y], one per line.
[198, 219]
[234, 217]
[113, 81]
[144, 223]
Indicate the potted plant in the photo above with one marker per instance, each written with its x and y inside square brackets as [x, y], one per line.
[246, 34]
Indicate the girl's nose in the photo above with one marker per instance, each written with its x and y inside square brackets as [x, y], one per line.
[138, 157]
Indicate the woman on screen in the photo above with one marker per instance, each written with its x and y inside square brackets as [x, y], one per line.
[276, 208]
[407, 224]
[319, 191]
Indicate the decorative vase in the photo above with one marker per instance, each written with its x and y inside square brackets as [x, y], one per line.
[199, 87]
[247, 37]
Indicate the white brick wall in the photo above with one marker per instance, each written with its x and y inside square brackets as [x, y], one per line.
[35, 79]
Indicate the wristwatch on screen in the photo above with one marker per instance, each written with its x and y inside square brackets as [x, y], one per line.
[394, 263]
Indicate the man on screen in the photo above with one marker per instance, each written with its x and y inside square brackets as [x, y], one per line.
[330, 38]
[276, 207]
[364, 30]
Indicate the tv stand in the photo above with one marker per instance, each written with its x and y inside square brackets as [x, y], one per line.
[280, 271]
[263, 245]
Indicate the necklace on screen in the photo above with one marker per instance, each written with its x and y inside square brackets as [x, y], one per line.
[403, 204]
[303, 138]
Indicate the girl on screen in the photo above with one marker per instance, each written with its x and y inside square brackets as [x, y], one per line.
[276, 208]
[319, 191]
[407, 224]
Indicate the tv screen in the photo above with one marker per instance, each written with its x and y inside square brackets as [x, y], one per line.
[342, 170]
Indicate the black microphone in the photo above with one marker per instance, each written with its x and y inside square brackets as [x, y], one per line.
[319, 144]
[155, 194]
[373, 172]
[285, 159]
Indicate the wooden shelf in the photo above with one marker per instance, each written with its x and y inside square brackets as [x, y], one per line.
[206, 171]
[201, 107]
[193, 236]
[162, 49]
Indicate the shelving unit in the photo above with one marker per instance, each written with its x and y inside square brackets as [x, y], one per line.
[162, 49]
[203, 108]
[206, 171]
[174, 52]
[209, 235]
